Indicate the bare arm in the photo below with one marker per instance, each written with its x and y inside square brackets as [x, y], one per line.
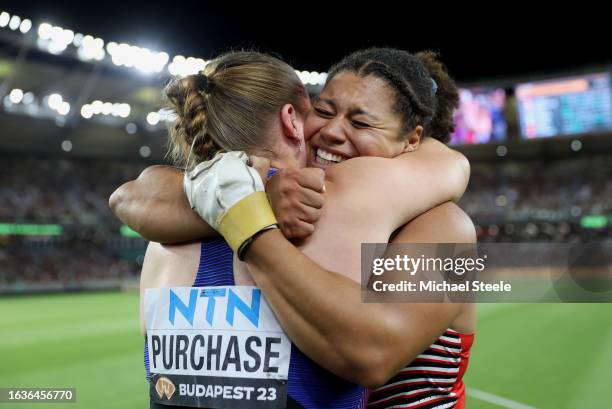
[405, 186]
[365, 343]
[155, 206]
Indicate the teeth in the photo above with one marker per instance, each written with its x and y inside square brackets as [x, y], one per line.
[329, 156]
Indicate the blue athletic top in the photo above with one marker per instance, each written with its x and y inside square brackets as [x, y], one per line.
[310, 385]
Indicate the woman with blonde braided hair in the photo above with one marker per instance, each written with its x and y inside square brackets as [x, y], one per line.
[238, 104]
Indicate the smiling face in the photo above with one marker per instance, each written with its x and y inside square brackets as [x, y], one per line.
[354, 116]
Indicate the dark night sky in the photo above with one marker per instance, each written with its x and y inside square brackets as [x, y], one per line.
[311, 37]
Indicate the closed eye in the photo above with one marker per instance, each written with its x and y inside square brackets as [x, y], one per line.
[360, 124]
[323, 112]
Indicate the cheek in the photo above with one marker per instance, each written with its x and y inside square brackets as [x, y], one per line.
[372, 145]
[312, 125]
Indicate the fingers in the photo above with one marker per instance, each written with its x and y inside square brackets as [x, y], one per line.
[297, 220]
[299, 229]
[309, 214]
[311, 198]
[297, 200]
[312, 178]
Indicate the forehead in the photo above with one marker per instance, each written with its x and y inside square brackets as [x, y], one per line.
[349, 91]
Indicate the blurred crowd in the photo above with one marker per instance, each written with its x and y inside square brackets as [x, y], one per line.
[543, 200]
[72, 193]
[64, 191]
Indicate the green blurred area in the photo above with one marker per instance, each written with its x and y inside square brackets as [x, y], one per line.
[543, 355]
[30, 229]
[539, 355]
[90, 342]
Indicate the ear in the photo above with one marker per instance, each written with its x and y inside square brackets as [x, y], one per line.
[292, 125]
[413, 140]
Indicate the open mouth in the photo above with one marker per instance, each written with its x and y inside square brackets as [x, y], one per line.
[325, 158]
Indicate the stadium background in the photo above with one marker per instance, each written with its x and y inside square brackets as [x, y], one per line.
[80, 114]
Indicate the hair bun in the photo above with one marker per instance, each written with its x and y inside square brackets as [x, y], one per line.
[202, 83]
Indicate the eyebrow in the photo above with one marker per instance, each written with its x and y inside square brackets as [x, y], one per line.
[327, 101]
[354, 111]
[360, 111]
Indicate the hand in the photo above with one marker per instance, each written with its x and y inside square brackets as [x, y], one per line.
[230, 197]
[297, 198]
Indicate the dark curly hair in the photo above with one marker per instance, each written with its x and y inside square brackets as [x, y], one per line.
[426, 95]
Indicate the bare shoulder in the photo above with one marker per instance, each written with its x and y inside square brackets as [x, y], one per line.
[386, 171]
[357, 168]
[445, 223]
[158, 253]
[449, 212]
[364, 180]
[170, 265]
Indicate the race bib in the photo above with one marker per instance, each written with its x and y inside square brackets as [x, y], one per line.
[215, 347]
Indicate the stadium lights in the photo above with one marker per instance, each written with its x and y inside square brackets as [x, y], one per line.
[142, 59]
[78, 39]
[107, 107]
[44, 31]
[25, 26]
[131, 128]
[4, 19]
[14, 23]
[86, 111]
[90, 48]
[98, 107]
[57, 103]
[17, 101]
[63, 36]
[163, 115]
[145, 151]
[64, 108]
[55, 40]
[66, 146]
[54, 101]
[181, 66]
[153, 118]
[28, 98]
[312, 78]
[16, 96]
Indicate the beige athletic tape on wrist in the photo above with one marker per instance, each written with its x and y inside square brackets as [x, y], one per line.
[245, 219]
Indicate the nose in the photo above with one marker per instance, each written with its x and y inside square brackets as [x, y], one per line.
[333, 132]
